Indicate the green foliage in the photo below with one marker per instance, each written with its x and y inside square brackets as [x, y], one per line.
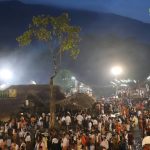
[25, 39]
[64, 79]
[57, 31]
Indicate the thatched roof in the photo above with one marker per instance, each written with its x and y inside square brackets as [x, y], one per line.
[37, 94]
[78, 100]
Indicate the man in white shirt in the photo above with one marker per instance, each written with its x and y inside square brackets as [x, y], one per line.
[80, 119]
[90, 126]
[95, 122]
[68, 120]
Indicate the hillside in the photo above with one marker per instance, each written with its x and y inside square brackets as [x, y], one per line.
[106, 39]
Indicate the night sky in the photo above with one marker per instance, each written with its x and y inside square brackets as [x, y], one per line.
[113, 31]
[137, 9]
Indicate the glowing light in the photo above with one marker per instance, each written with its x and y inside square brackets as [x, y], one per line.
[3, 86]
[116, 70]
[148, 78]
[81, 86]
[73, 78]
[6, 74]
[33, 82]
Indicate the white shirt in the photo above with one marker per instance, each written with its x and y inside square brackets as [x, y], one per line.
[63, 119]
[95, 122]
[88, 117]
[28, 138]
[68, 120]
[90, 125]
[55, 140]
[139, 113]
[80, 119]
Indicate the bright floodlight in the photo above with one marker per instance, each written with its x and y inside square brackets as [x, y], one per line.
[116, 70]
[148, 78]
[5, 74]
[33, 82]
[73, 78]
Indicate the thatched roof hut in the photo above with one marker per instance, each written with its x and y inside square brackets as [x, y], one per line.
[77, 101]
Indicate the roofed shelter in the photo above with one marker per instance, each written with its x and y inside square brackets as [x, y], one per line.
[77, 101]
[13, 97]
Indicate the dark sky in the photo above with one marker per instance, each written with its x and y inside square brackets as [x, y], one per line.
[124, 42]
[137, 9]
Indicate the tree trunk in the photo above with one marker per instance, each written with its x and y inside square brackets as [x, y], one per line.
[52, 104]
[52, 95]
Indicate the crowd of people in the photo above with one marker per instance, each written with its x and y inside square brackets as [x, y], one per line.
[109, 125]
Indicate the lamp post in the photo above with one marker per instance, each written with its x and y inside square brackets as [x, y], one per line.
[116, 71]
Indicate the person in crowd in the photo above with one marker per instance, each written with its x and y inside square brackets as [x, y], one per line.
[68, 121]
[80, 129]
[65, 142]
